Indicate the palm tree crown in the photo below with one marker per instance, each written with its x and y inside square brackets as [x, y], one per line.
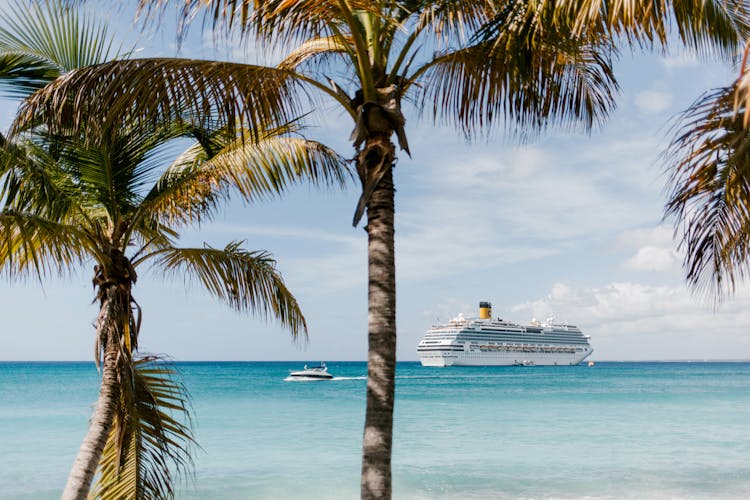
[114, 203]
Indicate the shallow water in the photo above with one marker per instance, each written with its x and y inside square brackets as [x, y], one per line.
[615, 430]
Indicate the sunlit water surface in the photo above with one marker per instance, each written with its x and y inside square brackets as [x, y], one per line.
[611, 431]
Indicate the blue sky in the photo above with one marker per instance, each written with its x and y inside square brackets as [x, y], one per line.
[566, 225]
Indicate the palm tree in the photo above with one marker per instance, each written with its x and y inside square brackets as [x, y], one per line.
[72, 198]
[529, 64]
[114, 203]
[709, 187]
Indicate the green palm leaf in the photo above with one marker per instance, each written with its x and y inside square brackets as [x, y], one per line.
[193, 185]
[117, 173]
[33, 244]
[247, 281]
[268, 167]
[39, 42]
[35, 179]
[149, 444]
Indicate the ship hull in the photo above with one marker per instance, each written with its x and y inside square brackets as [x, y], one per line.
[501, 358]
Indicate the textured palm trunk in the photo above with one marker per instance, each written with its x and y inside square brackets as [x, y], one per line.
[381, 360]
[87, 461]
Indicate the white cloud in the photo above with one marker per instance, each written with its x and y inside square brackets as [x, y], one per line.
[512, 204]
[635, 321]
[653, 259]
[655, 250]
[660, 236]
[651, 102]
[680, 61]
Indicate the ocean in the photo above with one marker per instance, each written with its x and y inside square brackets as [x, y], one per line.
[611, 431]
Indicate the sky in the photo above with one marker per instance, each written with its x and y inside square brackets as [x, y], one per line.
[566, 225]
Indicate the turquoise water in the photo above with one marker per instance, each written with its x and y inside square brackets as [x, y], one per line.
[615, 430]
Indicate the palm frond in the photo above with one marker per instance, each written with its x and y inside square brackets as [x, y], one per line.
[147, 93]
[192, 187]
[449, 20]
[115, 174]
[150, 443]
[21, 76]
[712, 28]
[33, 244]
[742, 88]
[312, 50]
[33, 181]
[275, 19]
[560, 82]
[40, 41]
[268, 167]
[246, 281]
[709, 192]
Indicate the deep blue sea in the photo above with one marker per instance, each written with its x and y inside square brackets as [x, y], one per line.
[611, 431]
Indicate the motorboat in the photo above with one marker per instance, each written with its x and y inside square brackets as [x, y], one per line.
[313, 372]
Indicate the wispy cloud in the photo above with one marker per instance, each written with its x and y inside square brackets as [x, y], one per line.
[630, 320]
[513, 204]
[680, 61]
[653, 102]
[655, 250]
[653, 259]
[661, 236]
[291, 232]
[311, 259]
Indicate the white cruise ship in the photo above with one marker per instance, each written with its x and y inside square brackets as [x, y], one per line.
[485, 341]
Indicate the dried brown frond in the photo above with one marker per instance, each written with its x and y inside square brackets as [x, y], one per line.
[709, 190]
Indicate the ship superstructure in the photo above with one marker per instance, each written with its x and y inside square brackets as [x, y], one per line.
[485, 341]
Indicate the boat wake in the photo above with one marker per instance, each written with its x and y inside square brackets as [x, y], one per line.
[316, 379]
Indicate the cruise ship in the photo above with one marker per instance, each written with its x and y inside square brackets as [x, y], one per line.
[485, 341]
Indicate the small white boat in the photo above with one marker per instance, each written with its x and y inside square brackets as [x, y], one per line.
[525, 362]
[314, 372]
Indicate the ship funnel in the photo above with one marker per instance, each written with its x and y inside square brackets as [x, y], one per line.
[485, 310]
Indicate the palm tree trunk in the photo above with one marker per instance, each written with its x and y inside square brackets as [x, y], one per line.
[381, 360]
[87, 461]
